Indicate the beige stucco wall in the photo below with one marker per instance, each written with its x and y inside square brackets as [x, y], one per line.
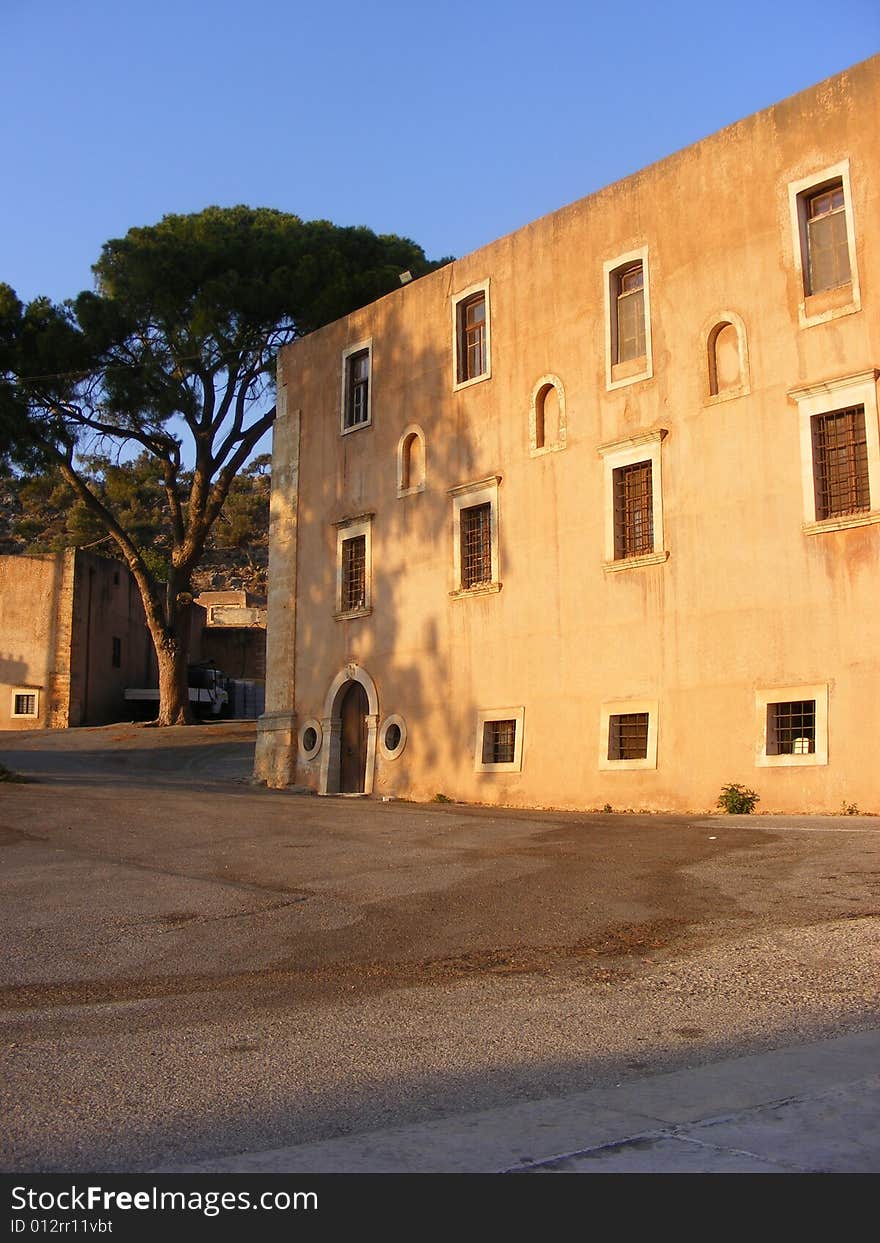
[746, 600]
[32, 592]
[59, 614]
[107, 605]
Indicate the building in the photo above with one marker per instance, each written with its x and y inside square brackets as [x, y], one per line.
[72, 637]
[590, 517]
[230, 633]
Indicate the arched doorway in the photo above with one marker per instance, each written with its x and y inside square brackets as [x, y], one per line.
[350, 727]
[353, 741]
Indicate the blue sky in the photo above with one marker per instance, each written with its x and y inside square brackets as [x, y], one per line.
[451, 123]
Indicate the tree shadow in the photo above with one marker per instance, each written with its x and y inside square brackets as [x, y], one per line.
[435, 655]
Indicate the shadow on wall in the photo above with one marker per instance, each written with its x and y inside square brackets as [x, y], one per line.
[406, 642]
[13, 669]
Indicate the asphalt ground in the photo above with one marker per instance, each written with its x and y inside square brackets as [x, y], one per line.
[194, 967]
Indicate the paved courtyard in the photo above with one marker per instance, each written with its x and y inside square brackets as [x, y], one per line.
[195, 967]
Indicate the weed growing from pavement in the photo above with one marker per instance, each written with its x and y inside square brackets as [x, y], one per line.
[737, 800]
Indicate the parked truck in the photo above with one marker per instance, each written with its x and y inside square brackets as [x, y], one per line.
[208, 691]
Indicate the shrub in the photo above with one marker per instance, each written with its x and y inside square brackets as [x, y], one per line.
[737, 800]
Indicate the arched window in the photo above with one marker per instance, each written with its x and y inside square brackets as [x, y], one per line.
[411, 464]
[547, 416]
[727, 358]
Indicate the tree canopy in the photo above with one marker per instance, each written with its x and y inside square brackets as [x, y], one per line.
[170, 359]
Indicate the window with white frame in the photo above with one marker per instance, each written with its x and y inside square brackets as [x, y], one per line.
[475, 543]
[25, 701]
[628, 355]
[840, 452]
[823, 238]
[311, 736]
[392, 737]
[792, 726]
[628, 735]
[356, 386]
[471, 335]
[633, 501]
[499, 740]
[354, 566]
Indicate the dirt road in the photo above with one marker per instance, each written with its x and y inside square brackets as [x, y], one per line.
[193, 965]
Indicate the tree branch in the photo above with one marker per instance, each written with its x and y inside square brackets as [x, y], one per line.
[153, 606]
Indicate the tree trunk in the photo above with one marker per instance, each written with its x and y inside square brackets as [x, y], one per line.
[172, 654]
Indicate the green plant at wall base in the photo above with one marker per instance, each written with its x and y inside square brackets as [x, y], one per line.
[737, 800]
[849, 809]
[442, 798]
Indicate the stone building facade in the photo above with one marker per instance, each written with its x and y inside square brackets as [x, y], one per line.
[72, 637]
[592, 515]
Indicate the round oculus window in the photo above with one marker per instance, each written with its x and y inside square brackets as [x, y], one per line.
[310, 739]
[392, 736]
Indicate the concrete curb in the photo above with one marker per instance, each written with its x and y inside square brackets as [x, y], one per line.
[804, 1108]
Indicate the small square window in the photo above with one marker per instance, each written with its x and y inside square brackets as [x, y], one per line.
[499, 740]
[356, 385]
[471, 335]
[792, 726]
[25, 704]
[628, 736]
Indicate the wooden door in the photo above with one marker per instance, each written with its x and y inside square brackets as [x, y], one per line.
[353, 758]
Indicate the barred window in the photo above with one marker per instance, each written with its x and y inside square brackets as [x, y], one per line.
[840, 462]
[471, 337]
[791, 727]
[357, 389]
[476, 545]
[633, 510]
[630, 313]
[499, 742]
[828, 264]
[24, 704]
[628, 736]
[354, 573]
